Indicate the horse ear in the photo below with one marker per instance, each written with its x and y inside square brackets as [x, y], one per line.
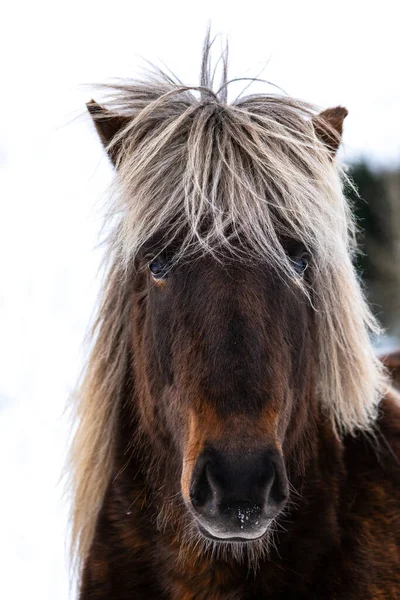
[108, 126]
[328, 126]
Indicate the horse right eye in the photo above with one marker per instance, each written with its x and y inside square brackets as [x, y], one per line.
[298, 256]
[300, 263]
[159, 267]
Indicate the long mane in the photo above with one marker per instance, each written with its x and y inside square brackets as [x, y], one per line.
[222, 178]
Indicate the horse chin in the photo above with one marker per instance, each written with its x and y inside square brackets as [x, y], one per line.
[226, 537]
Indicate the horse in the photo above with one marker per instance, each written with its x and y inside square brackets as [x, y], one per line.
[237, 437]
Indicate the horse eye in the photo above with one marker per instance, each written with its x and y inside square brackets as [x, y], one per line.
[159, 267]
[298, 256]
[300, 263]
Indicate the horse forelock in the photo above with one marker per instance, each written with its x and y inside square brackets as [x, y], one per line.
[225, 180]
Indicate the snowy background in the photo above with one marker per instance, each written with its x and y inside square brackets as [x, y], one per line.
[53, 175]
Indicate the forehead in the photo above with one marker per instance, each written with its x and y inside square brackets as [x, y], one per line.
[227, 329]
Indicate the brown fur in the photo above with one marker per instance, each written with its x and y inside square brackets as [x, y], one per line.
[392, 363]
[339, 539]
[329, 126]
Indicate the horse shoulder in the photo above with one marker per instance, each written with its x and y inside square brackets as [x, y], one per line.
[370, 503]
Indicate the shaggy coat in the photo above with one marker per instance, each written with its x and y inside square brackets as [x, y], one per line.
[237, 438]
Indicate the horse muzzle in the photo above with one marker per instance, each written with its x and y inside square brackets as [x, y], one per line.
[235, 496]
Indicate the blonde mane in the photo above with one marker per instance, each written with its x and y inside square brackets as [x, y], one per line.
[221, 178]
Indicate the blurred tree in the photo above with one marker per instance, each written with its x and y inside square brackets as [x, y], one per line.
[377, 210]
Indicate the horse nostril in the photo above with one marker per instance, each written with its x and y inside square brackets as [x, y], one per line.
[279, 489]
[200, 489]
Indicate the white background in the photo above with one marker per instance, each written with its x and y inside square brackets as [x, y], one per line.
[53, 174]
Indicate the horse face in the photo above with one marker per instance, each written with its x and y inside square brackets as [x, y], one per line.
[224, 350]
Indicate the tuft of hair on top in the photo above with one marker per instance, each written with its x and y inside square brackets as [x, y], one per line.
[228, 180]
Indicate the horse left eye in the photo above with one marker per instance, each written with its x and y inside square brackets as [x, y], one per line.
[300, 264]
[159, 267]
